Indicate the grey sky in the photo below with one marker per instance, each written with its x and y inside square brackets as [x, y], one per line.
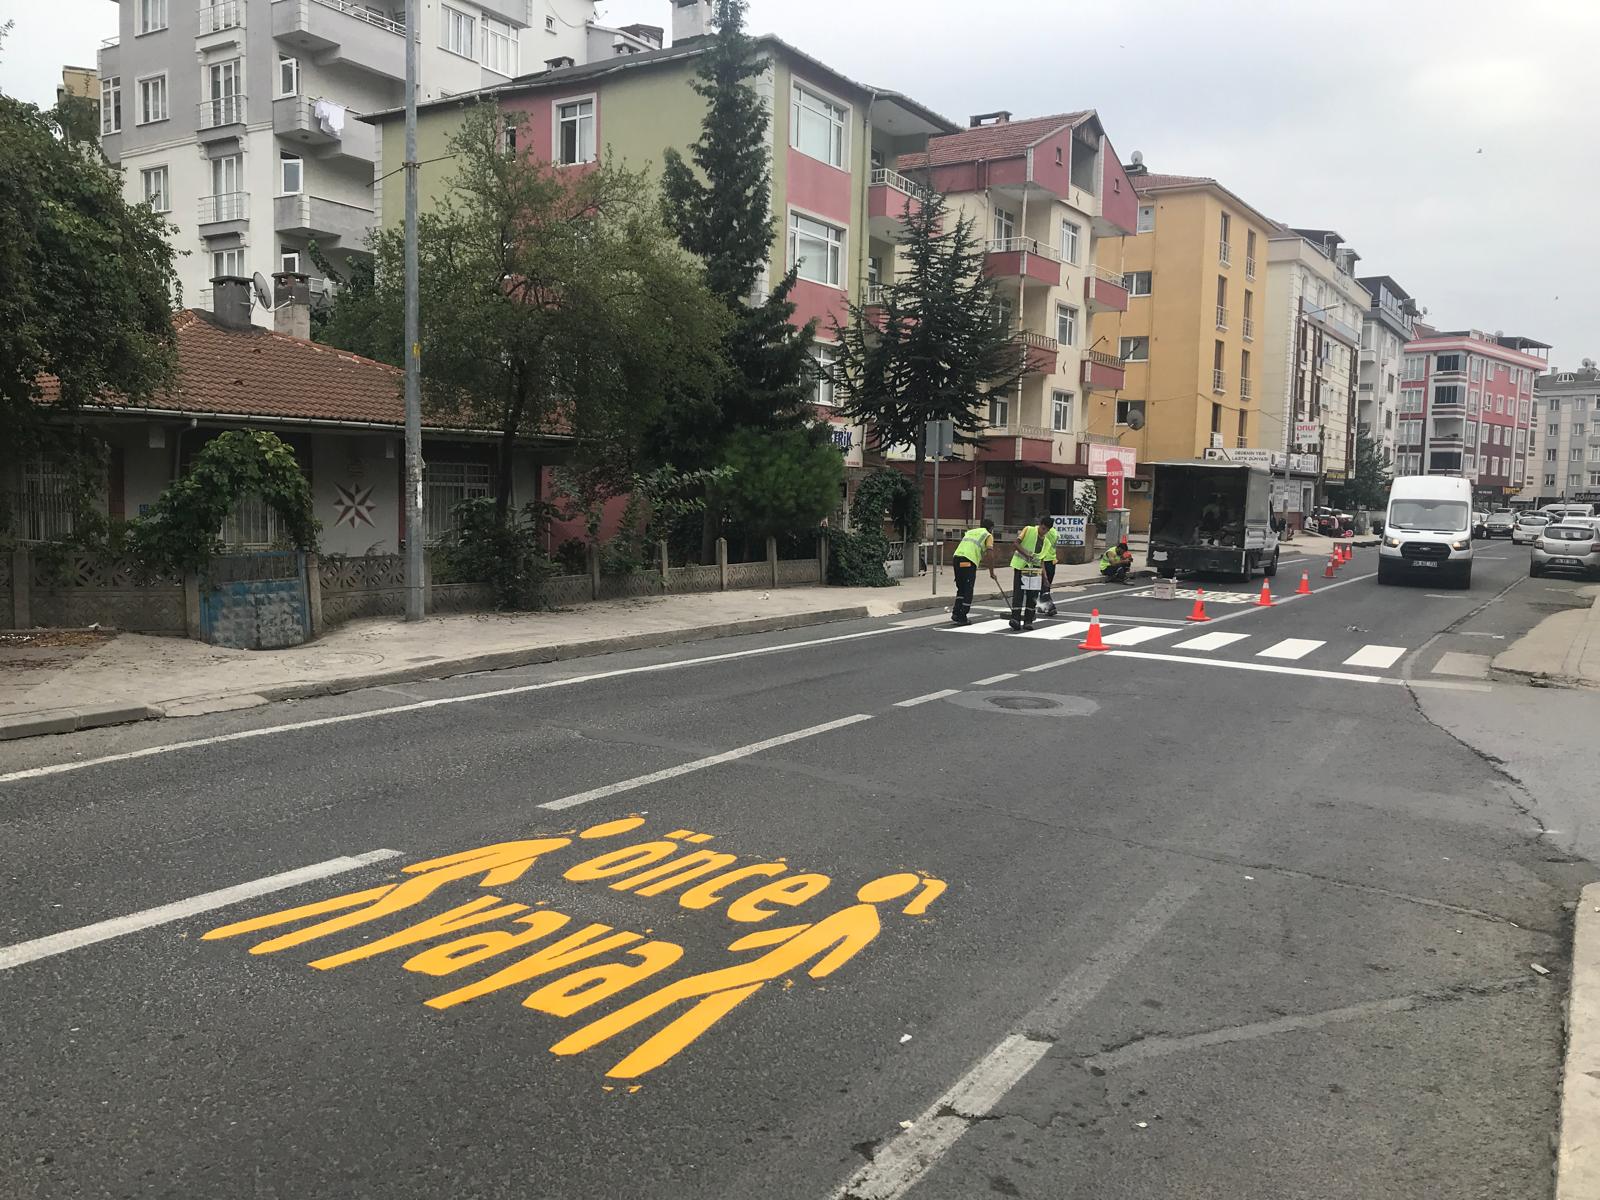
[1449, 140]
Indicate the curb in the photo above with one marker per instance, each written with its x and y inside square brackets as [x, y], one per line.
[1578, 1151]
[70, 720]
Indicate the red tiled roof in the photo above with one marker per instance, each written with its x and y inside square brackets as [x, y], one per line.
[1005, 139]
[1150, 183]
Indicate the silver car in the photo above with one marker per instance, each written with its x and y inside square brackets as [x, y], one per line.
[1528, 527]
[1573, 546]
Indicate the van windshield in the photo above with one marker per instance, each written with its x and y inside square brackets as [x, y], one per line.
[1428, 514]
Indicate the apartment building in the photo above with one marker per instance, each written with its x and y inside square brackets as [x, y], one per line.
[1566, 437]
[1190, 340]
[238, 119]
[1467, 408]
[1386, 326]
[1313, 335]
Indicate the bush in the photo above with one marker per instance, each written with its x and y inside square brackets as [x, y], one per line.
[507, 557]
[856, 559]
[572, 557]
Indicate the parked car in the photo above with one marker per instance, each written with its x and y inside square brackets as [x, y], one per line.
[1529, 525]
[1566, 510]
[1499, 524]
[1570, 546]
[1480, 524]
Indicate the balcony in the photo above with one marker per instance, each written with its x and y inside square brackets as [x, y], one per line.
[1244, 389]
[226, 212]
[872, 305]
[1104, 291]
[1225, 253]
[1222, 318]
[1249, 327]
[1447, 408]
[1016, 443]
[1102, 372]
[340, 31]
[1250, 267]
[220, 118]
[1042, 353]
[294, 118]
[1022, 258]
[892, 200]
[312, 216]
[219, 24]
[1219, 380]
[1446, 440]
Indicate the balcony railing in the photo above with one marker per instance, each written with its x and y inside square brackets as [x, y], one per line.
[1116, 277]
[1225, 253]
[219, 111]
[1219, 379]
[883, 176]
[1222, 317]
[1250, 267]
[872, 294]
[225, 206]
[224, 14]
[1244, 389]
[361, 13]
[1021, 245]
[1249, 329]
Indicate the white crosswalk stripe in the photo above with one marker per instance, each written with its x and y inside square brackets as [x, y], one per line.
[1380, 657]
[1290, 649]
[983, 626]
[1057, 631]
[1135, 635]
[1211, 641]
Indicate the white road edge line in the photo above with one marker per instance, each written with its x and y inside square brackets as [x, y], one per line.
[994, 679]
[700, 764]
[916, 700]
[319, 722]
[88, 935]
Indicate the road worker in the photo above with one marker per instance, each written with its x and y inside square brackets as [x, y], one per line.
[1026, 573]
[972, 553]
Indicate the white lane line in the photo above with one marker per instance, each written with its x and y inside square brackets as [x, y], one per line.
[1379, 657]
[994, 679]
[440, 702]
[1211, 641]
[1290, 649]
[938, 618]
[916, 700]
[1250, 666]
[1056, 632]
[1060, 662]
[88, 935]
[700, 764]
[1139, 633]
[993, 626]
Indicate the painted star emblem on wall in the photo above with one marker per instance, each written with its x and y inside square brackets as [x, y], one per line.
[354, 507]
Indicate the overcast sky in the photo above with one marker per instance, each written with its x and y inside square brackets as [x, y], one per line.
[1450, 141]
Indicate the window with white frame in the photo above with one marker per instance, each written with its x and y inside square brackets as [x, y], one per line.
[1005, 225]
[1472, 433]
[153, 99]
[1133, 349]
[1549, 481]
[1410, 433]
[1500, 405]
[252, 525]
[1447, 362]
[499, 47]
[1477, 367]
[1469, 462]
[816, 250]
[1137, 283]
[1594, 453]
[1413, 368]
[575, 132]
[291, 174]
[157, 193]
[227, 262]
[1126, 409]
[1066, 325]
[1575, 479]
[999, 410]
[445, 486]
[1411, 400]
[1522, 411]
[817, 126]
[288, 75]
[1550, 456]
[1071, 236]
[459, 32]
[1578, 429]
[151, 16]
[1061, 411]
[289, 260]
[1575, 454]
[111, 105]
[824, 357]
[1147, 218]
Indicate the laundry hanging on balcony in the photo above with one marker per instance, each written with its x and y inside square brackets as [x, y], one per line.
[331, 117]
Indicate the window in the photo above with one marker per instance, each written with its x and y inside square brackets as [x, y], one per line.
[1224, 234]
[1244, 374]
[1137, 283]
[549, 24]
[460, 32]
[43, 512]
[1070, 234]
[444, 487]
[1469, 462]
[1134, 349]
[1216, 418]
[499, 47]
[157, 195]
[227, 262]
[1472, 433]
[1448, 395]
[999, 410]
[1410, 433]
[1550, 456]
[111, 105]
[1575, 454]
[1522, 412]
[1250, 254]
[1061, 406]
[816, 250]
[288, 75]
[291, 174]
[152, 99]
[816, 126]
[152, 15]
[1575, 479]
[1549, 481]
[1447, 362]
[575, 132]
[1413, 369]
[824, 357]
[1477, 368]
[1553, 429]
[1578, 430]
[1147, 218]
[1126, 408]
[1500, 405]
[226, 101]
[253, 523]
[1244, 428]
[1066, 325]
[289, 260]
[1005, 225]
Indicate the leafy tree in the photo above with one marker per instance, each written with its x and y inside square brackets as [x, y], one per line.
[782, 482]
[938, 350]
[360, 317]
[1368, 485]
[86, 279]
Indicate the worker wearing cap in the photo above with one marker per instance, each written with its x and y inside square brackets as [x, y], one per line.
[1116, 562]
[969, 556]
[1047, 565]
[1026, 571]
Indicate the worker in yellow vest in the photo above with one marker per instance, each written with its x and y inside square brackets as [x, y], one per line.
[969, 556]
[1026, 574]
[1047, 566]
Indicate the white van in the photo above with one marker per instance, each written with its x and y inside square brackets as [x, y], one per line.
[1567, 510]
[1428, 530]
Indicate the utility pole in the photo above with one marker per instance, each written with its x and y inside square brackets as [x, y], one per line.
[413, 496]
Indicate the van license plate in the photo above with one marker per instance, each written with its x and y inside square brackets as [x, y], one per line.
[1423, 562]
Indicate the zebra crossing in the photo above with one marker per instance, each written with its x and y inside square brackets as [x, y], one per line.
[1269, 648]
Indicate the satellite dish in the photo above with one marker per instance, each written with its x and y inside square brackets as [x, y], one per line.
[1135, 420]
[1138, 158]
[259, 285]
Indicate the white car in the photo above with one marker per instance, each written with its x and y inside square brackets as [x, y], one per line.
[1528, 527]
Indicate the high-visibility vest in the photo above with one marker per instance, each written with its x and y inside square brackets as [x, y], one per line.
[973, 543]
[1047, 552]
[1028, 542]
[1110, 558]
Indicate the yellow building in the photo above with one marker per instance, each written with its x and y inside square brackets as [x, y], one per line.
[1191, 340]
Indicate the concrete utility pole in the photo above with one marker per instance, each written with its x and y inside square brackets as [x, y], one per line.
[413, 496]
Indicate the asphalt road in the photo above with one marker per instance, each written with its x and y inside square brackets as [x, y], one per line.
[978, 914]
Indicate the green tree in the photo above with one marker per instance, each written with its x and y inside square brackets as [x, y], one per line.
[937, 347]
[553, 301]
[1370, 477]
[782, 482]
[360, 317]
[86, 280]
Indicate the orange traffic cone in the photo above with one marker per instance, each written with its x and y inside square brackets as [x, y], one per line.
[1345, 553]
[1305, 584]
[1199, 611]
[1093, 641]
[1265, 599]
[1333, 561]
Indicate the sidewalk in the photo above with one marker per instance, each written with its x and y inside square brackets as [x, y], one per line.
[1562, 650]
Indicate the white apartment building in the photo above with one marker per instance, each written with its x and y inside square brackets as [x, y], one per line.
[1566, 414]
[237, 119]
[1386, 327]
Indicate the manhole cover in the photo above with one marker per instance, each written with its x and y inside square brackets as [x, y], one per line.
[1026, 704]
